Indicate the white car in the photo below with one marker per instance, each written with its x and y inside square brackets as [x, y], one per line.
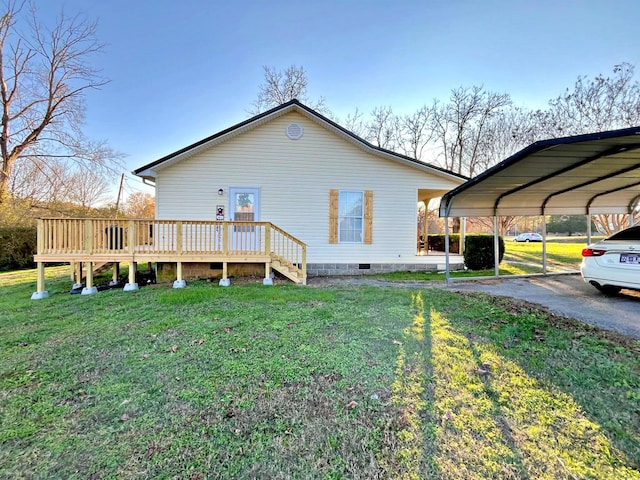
[613, 263]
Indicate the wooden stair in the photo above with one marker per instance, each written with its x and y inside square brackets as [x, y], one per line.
[292, 272]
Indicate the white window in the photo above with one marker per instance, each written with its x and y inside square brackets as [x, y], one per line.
[350, 216]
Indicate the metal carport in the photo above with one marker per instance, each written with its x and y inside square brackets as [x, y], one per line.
[579, 175]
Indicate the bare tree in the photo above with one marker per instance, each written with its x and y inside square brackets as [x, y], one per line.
[416, 132]
[355, 123]
[44, 74]
[460, 125]
[593, 105]
[383, 129]
[87, 189]
[280, 87]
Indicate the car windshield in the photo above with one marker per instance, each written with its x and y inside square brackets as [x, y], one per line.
[632, 233]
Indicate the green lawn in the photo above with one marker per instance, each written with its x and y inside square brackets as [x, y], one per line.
[300, 382]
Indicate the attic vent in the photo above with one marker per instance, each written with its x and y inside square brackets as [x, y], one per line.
[294, 131]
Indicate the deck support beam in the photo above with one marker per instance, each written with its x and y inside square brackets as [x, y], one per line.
[89, 289]
[40, 292]
[132, 285]
[179, 283]
[224, 281]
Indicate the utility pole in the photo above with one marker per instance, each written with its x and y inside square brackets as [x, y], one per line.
[119, 194]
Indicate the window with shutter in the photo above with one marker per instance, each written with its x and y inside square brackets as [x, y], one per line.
[351, 216]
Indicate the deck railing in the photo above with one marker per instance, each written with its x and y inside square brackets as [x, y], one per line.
[187, 240]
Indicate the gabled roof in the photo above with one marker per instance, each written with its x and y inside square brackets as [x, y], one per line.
[149, 171]
[579, 175]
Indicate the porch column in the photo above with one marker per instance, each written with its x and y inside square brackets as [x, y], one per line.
[132, 285]
[224, 281]
[496, 246]
[447, 273]
[179, 283]
[40, 292]
[463, 234]
[89, 289]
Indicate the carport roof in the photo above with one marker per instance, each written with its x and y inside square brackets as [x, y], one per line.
[584, 174]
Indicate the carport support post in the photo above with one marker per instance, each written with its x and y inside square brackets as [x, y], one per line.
[446, 249]
[496, 247]
[588, 228]
[544, 244]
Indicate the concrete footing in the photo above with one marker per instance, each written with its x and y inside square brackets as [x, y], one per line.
[39, 295]
[179, 284]
[130, 287]
[89, 290]
[224, 282]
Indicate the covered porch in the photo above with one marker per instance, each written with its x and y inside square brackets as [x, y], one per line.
[100, 241]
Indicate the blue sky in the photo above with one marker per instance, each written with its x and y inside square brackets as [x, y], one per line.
[183, 70]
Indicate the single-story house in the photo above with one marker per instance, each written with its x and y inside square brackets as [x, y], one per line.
[288, 190]
[354, 205]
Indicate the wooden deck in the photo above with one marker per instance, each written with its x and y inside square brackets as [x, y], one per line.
[175, 241]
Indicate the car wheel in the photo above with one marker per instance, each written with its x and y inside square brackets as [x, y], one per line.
[527, 240]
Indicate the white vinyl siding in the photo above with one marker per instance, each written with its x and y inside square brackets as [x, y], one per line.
[295, 178]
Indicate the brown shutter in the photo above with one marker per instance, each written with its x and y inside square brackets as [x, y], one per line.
[333, 216]
[368, 216]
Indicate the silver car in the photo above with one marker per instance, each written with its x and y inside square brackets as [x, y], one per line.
[613, 263]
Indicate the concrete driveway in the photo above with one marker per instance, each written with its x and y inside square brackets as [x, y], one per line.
[569, 296]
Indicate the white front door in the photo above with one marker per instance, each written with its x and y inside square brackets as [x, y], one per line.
[244, 206]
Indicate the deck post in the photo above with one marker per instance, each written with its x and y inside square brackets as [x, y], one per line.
[267, 238]
[89, 289]
[132, 285]
[179, 239]
[133, 235]
[304, 264]
[88, 237]
[267, 280]
[179, 283]
[116, 273]
[72, 271]
[40, 292]
[224, 281]
[77, 275]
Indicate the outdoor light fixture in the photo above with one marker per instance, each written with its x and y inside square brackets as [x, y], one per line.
[220, 191]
